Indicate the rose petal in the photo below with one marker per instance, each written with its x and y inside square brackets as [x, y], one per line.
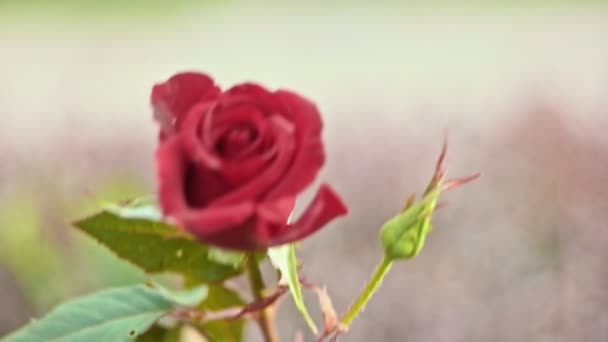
[203, 185]
[325, 206]
[263, 232]
[241, 115]
[194, 145]
[239, 172]
[222, 226]
[301, 112]
[251, 94]
[205, 223]
[173, 99]
[276, 212]
[248, 162]
[170, 168]
[309, 156]
[259, 185]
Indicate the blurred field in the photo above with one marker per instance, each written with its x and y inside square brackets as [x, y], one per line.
[521, 89]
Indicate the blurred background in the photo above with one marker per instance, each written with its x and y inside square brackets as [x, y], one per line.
[520, 87]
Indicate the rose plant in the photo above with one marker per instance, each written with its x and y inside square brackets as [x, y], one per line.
[230, 165]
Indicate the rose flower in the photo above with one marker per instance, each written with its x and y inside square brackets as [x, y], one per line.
[231, 164]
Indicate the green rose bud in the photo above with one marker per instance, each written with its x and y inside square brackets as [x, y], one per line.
[403, 236]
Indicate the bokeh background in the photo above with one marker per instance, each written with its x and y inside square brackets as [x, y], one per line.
[520, 87]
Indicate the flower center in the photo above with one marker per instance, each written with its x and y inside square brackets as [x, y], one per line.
[236, 140]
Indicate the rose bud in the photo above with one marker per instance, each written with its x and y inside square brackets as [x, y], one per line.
[404, 235]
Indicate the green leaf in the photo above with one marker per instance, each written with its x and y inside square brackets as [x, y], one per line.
[225, 257]
[154, 246]
[223, 330]
[119, 314]
[160, 334]
[188, 297]
[136, 209]
[284, 259]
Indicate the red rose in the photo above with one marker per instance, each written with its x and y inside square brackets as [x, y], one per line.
[231, 164]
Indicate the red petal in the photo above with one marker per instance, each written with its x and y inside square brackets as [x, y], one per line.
[310, 155]
[301, 112]
[195, 146]
[244, 165]
[223, 226]
[276, 212]
[206, 223]
[251, 94]
[326, 206]
[259, 185]
[170, 168]
[239, 172]
[173, 99]
[203, 185]
[241, 115]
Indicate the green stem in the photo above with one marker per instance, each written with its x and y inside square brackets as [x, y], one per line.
[266, 318]
[358, 306]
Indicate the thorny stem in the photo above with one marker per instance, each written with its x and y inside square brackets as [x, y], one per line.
[266, 317]
[373, 284]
